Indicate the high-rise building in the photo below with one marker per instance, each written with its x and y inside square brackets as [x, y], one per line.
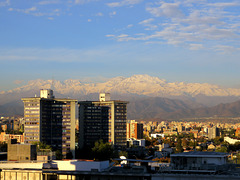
[94, 123]
[115, 126]
[134, 129]
[213, 132]
[50, 120]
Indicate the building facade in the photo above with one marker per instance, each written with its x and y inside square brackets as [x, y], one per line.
[6, 137]
[94, 123]
[51, 121]
[134, 129]
[116, 119]
[213, 132]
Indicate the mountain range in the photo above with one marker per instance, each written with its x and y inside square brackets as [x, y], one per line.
[149, 97]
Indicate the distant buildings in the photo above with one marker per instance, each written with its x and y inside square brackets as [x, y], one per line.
[94, 113]
[134, 129]
[231, 140]
[136, 142]
[50, 120]
[213, 132]
[197, 160]
[6, 137]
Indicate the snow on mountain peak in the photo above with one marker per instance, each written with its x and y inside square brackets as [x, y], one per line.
[136, 84]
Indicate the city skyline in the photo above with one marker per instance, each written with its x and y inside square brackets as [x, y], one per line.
[91, 39]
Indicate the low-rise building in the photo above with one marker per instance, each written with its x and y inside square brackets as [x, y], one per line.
[21, 152]
[6, 137]
[198, 160]
[231, 140]
[136, 142]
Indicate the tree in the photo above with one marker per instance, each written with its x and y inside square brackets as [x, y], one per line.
[59, 155]
[184, 142]
[179, 147]
[222, 149]
[3, 147]
[102, 151]
[41, 146]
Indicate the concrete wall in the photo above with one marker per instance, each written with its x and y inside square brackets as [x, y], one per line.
[21, 175]
[82, 165]
[21, 152]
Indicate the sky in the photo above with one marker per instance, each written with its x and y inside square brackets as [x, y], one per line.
[94, 40]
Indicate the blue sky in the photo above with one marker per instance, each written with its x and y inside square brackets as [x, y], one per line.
[176, 40]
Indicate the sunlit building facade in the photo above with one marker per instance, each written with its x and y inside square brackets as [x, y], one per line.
[50, 120]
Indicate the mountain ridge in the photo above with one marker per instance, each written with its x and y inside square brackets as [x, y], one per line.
[137, 84]
[149, 97]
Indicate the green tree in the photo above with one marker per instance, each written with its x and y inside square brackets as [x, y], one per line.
[222, 149]
[102, 151]
[184, 142]
[3, 147]
[41, 146]
[179, 147]
[59, 155]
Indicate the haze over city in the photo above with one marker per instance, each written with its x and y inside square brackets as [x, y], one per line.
[93, 40]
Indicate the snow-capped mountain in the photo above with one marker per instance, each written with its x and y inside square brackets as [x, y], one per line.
[149, 97]
[134, 85]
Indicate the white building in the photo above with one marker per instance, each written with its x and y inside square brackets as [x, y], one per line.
[198, 160]
[136, 142]
[231, 140]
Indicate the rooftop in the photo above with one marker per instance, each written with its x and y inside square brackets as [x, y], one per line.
[200, 154]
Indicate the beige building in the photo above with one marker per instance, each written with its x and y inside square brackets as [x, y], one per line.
[50, 120]
[21, 152]
[6, 137]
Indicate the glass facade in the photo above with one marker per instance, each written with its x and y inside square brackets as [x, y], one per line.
[49, 121]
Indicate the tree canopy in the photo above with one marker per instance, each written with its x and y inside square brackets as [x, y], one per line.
[102, 151]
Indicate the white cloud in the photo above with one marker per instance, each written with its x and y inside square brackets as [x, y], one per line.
[193, 24]
[110, 35]
[166, 9]
[124, 3]
[5, 3]
[26, 11]
[195, 46]
[83, 1]
[112, 13]
[49, 2]
[226, 49]
[147, 21]
[36, 12]
[223, 5]
[130, 25]
[99, 14]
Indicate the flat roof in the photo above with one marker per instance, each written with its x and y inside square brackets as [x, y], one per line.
[119, 101]
[200, 154]
[135, 160]
[48, 99]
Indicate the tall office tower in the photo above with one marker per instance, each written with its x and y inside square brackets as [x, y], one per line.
[134, 129]
[50, 120]
[93, 124]
[115, 124]
[213, 132]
